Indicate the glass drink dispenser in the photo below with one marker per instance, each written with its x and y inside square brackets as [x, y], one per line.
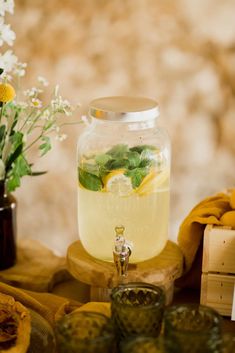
[123, 178]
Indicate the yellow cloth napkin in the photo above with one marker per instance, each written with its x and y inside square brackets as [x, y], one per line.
[49, 306]
[212, 210]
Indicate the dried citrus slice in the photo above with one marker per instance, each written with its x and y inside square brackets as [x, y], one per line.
[118, 183]
[153, 181]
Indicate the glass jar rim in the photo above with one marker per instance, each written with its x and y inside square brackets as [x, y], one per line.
[126, 286]
[105, 336]
[175, 308]
[124, 109]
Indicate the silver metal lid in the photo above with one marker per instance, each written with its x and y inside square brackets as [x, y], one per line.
[125, 109]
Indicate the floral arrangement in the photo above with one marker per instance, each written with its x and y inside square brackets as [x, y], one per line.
[25, 121]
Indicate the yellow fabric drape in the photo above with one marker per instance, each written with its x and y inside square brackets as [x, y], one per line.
[190, 236]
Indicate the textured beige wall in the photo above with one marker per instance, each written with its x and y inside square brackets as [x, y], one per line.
[180, 52]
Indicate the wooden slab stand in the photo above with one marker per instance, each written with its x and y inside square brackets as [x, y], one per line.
[161, 270]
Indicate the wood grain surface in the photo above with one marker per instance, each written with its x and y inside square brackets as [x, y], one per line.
[37, 268]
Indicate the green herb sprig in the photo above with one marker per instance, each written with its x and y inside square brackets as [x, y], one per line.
[135, 161]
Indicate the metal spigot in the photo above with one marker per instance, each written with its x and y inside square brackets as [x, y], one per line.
[121, 252]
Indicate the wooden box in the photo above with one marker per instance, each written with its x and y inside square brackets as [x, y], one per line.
[218, 269]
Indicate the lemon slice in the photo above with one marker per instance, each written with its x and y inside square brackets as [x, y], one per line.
[153, 182]
[118, 183]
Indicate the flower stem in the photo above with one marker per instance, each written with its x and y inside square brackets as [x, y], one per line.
[1, 113]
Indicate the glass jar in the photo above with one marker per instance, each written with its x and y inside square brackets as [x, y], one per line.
[124, 175]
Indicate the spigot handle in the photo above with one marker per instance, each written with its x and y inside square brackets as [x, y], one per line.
[121, 253]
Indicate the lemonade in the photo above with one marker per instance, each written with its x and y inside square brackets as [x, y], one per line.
[129, 187]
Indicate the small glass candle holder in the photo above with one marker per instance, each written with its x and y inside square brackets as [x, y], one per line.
[85, 332]
[137, 309]
[142, 344]
[227, 343]
[192, 328]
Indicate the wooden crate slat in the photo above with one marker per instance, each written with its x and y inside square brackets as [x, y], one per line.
[219, 250]
[217, 292]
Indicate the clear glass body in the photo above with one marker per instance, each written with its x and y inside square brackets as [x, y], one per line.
[123, 179]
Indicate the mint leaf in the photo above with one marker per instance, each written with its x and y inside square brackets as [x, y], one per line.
[134, 159]
[89, 181]
[118, 151]
[141, 148]
[136, 175]
[91, 168]
[102, 159]
[116, 164]
[45, 146]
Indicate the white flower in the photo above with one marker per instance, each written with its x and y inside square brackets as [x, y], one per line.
[6, 34]
[2, 170]
[60, 105]
[36, 103]
[19, 69]
[6, 6]
[7, 61]
[61, 137]
[5, 77]
[32, 92]
[43, 81]
[45, 115]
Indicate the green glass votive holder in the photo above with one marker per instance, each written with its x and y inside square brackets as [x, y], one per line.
[85, 332]
[227, 343]
[137, 309]
[142, 344]
[192, 328]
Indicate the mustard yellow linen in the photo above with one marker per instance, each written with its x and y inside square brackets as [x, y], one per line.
[49, 306]
[98, 307]
[208, 211]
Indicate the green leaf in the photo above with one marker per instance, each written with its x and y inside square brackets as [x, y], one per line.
[136, 175]
[45, 146]
[38, 173]
[2, 132]
[118, 151]
[12, 183]
[89, 181]
[16, 139]
[102, 159]
[116, 164]
[141, 148]
[12, 132]
[1, 71]
[145, 163]
[21, 167]
[91, 168]
[134, 159]
[14, 156]
[2, 137]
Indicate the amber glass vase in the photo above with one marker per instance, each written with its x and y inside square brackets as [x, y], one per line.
[7, 228]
